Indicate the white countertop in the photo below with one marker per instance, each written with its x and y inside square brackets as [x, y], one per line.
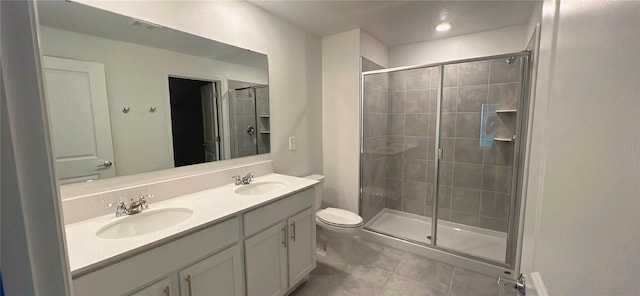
[88, 252]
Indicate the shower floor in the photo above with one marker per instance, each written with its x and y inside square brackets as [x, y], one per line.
[459, 237]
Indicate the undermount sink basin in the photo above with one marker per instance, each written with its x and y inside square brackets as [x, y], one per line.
[143, 223]
[259, 188]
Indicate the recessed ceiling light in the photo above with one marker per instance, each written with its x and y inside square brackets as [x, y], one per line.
[444, 26]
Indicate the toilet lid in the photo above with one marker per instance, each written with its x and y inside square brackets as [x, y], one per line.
[339, 217]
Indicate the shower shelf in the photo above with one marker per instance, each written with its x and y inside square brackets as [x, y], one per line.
[507, 111]
[264, 116]
[503, 139]
[265, 132]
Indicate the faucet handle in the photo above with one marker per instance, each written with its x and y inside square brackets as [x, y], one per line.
[143, 200]
[237, 179]
[118, 204]
[251, 174]
[121, 208]
[145, 197]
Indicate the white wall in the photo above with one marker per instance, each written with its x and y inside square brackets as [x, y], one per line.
[294, 66]
[373, 49]
[341, 112]
[501, 41]
[137, 78]
[341, 119]
[583, 195]
[536, 17]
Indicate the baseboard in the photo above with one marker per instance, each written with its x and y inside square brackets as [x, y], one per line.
[535, 286]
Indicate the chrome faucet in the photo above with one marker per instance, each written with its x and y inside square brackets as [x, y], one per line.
[134, 207]
[244, 180]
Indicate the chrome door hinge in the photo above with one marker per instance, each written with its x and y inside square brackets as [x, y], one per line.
[521, 284]
[506, 286]
[439, 153]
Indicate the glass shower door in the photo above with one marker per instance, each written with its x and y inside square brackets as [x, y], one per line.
[476, 143]
[242, 121]
[440, 155]
[399, 117]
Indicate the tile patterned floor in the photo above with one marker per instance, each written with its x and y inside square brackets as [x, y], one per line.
[385, 271]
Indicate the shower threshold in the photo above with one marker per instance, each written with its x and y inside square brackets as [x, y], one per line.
[471, 240]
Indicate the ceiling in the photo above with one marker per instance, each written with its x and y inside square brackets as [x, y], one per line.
[400, 22]
[79, 18]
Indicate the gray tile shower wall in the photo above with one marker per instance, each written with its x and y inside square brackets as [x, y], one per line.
[375, 125]
[475, 182]
[243, 115]
[411, 128]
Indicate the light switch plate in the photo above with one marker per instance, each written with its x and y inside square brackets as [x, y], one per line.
[292, 143]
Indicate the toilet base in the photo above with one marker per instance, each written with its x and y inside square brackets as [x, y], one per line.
[342, 247]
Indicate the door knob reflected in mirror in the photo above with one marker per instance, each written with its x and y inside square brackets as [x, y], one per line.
[106, 164]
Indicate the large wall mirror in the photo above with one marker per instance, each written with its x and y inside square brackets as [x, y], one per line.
[127, 96]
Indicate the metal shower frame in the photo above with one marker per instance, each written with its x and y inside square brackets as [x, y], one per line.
[513, 221]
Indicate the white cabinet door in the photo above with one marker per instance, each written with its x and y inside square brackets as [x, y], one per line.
[159, 288]
[220, 274]
[302, 245]
[266, 261]
[79, 116]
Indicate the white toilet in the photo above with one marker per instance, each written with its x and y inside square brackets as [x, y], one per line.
[335, 225]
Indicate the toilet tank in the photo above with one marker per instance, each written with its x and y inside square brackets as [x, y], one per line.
[319, 189]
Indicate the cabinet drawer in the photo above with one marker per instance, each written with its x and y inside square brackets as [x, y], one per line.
[272, 213]
[127, 275]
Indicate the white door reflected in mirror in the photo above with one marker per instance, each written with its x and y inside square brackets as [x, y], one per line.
[81, 128]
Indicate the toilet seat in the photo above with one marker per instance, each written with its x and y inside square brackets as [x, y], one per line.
[339, 218]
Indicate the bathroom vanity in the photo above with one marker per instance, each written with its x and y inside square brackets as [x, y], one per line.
[256, 239]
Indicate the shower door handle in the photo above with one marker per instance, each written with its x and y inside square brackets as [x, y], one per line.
[439, 153]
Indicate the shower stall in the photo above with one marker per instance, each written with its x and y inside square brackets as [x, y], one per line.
[440, 155]
[249, 119]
